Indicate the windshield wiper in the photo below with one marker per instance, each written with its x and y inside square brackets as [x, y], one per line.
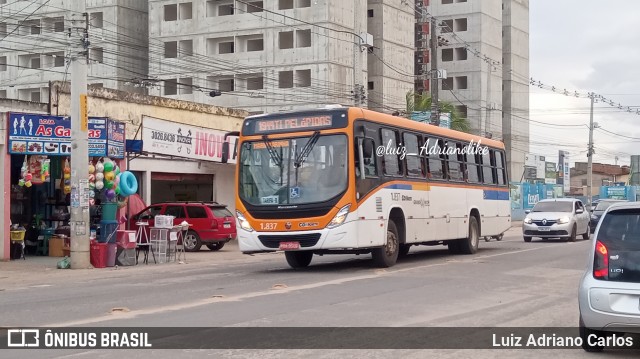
[275, 156]
[302, 156]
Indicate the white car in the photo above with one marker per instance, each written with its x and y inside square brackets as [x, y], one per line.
[557, 218]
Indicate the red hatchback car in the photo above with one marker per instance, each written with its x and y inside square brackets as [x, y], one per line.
[211, 223]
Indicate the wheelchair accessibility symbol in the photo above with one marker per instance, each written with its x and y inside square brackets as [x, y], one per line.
[294, 192]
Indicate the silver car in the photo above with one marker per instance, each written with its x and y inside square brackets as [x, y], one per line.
[609, 294]
[557, 218]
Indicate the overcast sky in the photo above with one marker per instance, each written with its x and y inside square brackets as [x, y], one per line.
[585, 46]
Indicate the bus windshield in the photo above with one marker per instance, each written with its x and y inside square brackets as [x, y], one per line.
[293, 171]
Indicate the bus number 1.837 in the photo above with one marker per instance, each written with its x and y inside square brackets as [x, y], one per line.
[268, 226]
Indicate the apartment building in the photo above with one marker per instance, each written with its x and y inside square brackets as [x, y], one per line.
[484, 47]
[277, 55]
[34, 45]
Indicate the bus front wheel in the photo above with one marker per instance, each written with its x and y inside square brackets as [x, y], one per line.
[387, 255]
[469, 245]
[298, 259]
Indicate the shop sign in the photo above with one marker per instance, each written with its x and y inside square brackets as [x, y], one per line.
[32, 134]
[180, 140]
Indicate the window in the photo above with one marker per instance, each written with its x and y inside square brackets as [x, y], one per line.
[460, 25]
[462, 111]
[434, 150]
[35, 62]
[413, 159]
[370, 167]
[171, 87]
[3, 63]
[255, 45]
[455, 164]
[219, 8]
[95, 54]
[285, 4]
[150, 213]
[461, 82]
[447, 1]
[303, 3]
[390, 161]
[584, 182]
[226, 47]
[186, 86]
[226, 85]
[96, 19]
[171, 12]
[487, 169]
[3, 28]
[171, 49]
[255, 83]
[220, 45]
[186, 11]
[303, 78]
[31, 27]
[474, 172]
[447, 55]
[501, 168]
[176, 211]
[196, 212]
[58, 24]
[185, 48]
[447, 26]
[285, 40]
[460, 53]
[255, 6]
[370, 13]
[447, 84]
[220, 212]
[3, 93]
[370, 85]
[285, 79]
[303, 38]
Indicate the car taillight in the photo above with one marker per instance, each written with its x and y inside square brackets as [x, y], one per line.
[214, 224]
[601, 262]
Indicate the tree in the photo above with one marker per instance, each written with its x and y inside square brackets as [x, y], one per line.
[422, 102]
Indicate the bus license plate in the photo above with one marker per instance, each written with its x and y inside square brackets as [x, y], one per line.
[544, 229]
[289, 245]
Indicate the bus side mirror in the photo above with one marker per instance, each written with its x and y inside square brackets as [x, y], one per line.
[225, 152]
[367, 148]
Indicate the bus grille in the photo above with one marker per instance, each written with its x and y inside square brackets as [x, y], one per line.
[273, 241]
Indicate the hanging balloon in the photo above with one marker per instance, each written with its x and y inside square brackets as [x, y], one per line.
[99, 167]
[108, 166]
[28, 177]
[67, 175]
[99, 176]
[92, 201]
[99, 185]
[67, 182]
[111, 194]
[27, 184]
[92, 185]
[67, 170]
[117, 190]
[116, 182]
[108, 184]
[23, 169]
[117, 170]
[21, 182]
[92, 168]
[92, 178]
[109, 175]
[92, 194]
[67, 189]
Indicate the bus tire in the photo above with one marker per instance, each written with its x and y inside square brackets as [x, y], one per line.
[469, 245]
[404, 250]
[387, 255]
[298, 259]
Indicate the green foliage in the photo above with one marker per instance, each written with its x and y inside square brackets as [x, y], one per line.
[418, 102]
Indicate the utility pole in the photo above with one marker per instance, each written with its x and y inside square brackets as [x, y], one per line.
[435, 115]
[590, 153]
[78, 36]
[487, 120]
[358, 82]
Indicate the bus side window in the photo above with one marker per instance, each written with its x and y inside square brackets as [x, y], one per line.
[500, 168]
[434, 150]
[473, 168]
[369, 154]
[456, 168]
[487, 169]
[391, 165]
[413, 159]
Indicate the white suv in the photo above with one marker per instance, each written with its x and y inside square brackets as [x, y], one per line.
[609, 294]
[557, 218]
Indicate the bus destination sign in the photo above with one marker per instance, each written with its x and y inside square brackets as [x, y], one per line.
[300, 123]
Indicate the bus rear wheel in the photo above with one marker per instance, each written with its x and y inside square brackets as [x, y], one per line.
[469, 245]
[298, 259]
[387, 255]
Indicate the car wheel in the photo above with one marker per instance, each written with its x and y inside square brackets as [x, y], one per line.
[387, 255]
[527, 239]
[585, 236]
[470, 245]
[192, 242]
[572, 238]
[499, 238]
[215, 246]
[298, 259]
[585, 333]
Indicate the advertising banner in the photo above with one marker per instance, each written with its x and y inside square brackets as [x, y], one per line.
[425, 116]
[567, 179]
[35, 134]
[180, 140]
[550, 173]
[515, 193]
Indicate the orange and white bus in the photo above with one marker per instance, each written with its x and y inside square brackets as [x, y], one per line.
[350, 180]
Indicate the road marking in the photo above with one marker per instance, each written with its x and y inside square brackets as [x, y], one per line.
[268, 292]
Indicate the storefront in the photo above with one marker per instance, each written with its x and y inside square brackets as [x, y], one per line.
[37, 176]
[183, 163]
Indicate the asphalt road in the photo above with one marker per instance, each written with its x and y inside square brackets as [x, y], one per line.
[506, 284]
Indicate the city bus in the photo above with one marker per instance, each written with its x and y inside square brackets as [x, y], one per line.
[350, 180]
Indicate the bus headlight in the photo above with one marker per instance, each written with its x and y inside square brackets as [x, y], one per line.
[243, 223]
[340, 217]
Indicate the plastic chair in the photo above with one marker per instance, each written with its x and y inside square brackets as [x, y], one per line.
[43, 245]
[143, 243]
